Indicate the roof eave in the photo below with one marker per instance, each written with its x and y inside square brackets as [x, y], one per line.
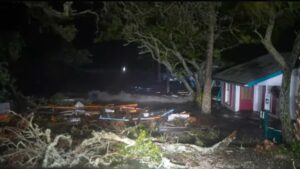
[256, 81]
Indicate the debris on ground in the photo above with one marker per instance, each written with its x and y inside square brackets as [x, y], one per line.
[266, 146]
[98, 96]
[90, 142]
[183, 115]
[5, 114]
[34, 146]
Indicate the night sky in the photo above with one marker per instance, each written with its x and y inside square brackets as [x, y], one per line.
[37, 73]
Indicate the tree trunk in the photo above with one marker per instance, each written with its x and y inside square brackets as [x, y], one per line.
[206, 103]
[297, 124]
[168, 85]
[187, 85]
[287, 130]
[198, 92]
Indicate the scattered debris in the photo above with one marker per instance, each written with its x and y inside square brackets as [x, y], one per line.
[74, 120]
[107, 110]
[33, 147]
[179, 120]
[266, 146]
[148, 116]
[5, 112]
[137, 98]
[183, 115]
[79, 105]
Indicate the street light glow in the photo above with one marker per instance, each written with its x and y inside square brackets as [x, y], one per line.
[124, 69]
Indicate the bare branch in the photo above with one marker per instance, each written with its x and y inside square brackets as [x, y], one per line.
[193, 62]
[90, 12]
[188, 86]
[269, 29]
[180, 57]
[66, 14]
[258, 34]
[229, 47]
[267, 42]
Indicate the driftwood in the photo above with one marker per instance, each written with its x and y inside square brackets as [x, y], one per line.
[190, 148]
[24, 143]
[30, 145]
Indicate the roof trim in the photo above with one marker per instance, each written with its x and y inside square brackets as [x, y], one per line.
[229, 81]
[254, 82]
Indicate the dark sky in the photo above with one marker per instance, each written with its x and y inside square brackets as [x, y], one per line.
[106, 55]
[36, 73]
[34, 68]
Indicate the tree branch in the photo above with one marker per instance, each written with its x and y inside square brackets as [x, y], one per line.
[66, 14]
[229, 47]
[92, 13]
[182, 60]
[267, 42]
[187, 85]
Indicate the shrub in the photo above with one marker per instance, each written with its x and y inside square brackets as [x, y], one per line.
[144, 150]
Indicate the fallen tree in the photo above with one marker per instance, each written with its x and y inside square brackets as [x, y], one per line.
[27, 146]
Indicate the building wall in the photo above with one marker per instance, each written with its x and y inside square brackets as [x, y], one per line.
[274, 81]
[231, 95]
[237, 98]
[261, 93]
[222, 84]
[257, 98]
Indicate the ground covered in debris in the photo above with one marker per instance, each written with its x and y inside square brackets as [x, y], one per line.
[198, 129]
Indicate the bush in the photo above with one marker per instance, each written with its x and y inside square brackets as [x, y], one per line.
[144, 150]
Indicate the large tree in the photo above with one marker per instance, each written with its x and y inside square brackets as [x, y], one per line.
[211, 22]
[18, 42]
[171, 32]
[12, 47]
[267, 19]
[178, 35]
[60, 16]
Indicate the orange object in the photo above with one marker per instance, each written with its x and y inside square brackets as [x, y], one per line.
[4, 118]
[132, 111]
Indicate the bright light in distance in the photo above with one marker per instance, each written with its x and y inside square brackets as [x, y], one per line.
[124, 69]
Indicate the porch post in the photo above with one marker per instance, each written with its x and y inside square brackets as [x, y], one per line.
[267, 105]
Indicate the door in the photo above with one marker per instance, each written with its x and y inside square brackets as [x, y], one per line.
[246, 98]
